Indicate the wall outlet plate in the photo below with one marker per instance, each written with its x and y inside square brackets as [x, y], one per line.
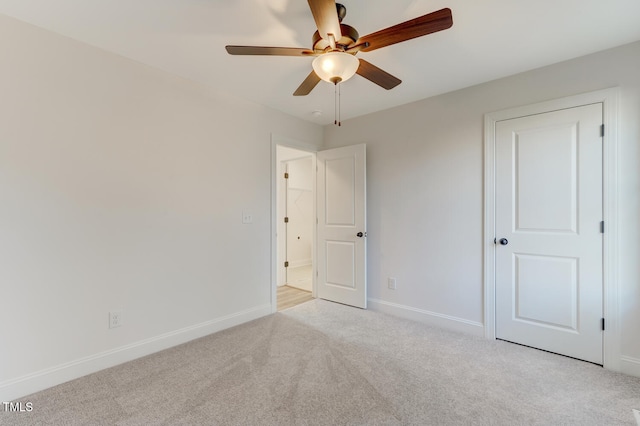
[115, 318]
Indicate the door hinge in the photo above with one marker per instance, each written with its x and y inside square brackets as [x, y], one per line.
[602, 324]
[602, 227]
[286, 264]
[286, 220]
[602, 130]
[286, 175]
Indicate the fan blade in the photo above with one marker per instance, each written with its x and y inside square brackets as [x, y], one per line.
[377, 76]
[274, 51]
[427, 24]
[307, 85]
[326, 17]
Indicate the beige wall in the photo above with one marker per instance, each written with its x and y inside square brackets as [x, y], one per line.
[425, 190]
[123, 187]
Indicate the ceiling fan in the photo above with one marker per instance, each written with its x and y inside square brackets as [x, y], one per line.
[336, 44]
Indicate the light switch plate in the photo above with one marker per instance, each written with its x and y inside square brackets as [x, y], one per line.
[247, 217]
[391, 283]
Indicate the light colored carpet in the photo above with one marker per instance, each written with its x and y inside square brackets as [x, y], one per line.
[328, 364]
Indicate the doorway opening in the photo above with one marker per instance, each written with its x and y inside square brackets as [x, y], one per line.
[338, 222]
[295, 215]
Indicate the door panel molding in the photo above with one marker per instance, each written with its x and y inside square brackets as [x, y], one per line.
[609, 99]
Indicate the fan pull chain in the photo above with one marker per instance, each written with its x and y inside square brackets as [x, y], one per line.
[339, 106]
[335, 103]
[337, 96]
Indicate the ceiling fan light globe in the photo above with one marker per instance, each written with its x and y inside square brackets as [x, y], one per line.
[335, 66]
[328, 66]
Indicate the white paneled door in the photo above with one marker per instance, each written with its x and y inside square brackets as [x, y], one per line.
[341, 185]
[549, 276]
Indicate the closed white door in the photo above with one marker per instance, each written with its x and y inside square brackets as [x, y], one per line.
[549, 276]
[341, 189]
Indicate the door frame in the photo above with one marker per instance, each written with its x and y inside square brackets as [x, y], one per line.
[609, 98]
[311, 149]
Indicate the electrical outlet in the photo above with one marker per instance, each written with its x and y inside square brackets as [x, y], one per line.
[391, 283]
[115, 318]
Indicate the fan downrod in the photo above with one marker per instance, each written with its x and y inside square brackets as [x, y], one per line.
[349, 34]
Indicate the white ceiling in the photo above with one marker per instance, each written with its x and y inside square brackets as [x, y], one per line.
[489, 39]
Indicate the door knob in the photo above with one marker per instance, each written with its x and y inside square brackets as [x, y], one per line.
[504, 241]
[360, 235]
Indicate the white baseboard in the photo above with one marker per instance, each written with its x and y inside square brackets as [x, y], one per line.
[299, 263]
[16, 388]
[430, 318]
[630, 366]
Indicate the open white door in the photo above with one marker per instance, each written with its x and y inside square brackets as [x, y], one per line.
[342, 254]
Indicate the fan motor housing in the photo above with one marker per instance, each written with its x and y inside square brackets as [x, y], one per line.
[349, 36]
